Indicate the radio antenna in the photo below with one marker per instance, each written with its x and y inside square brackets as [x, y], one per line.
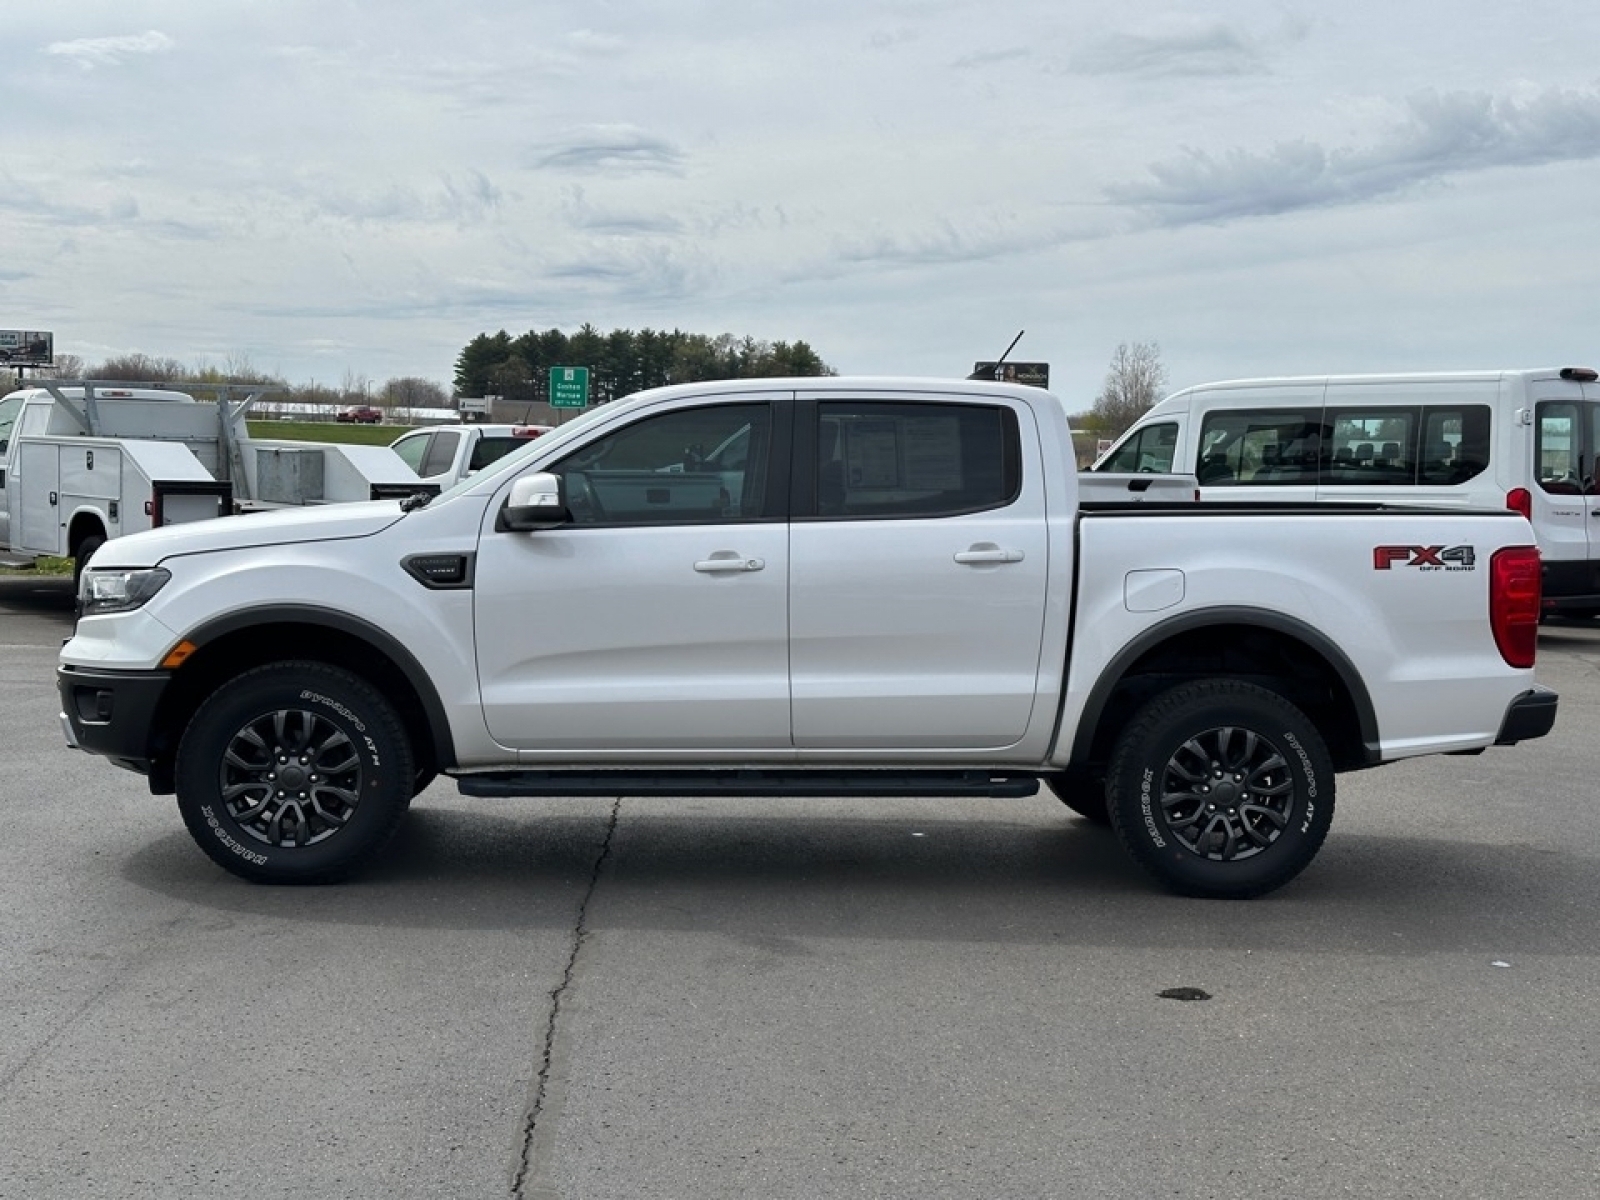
[994, 371]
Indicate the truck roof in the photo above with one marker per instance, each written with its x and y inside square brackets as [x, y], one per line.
[106, 393]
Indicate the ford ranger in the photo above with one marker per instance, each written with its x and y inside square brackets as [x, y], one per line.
[825, 587]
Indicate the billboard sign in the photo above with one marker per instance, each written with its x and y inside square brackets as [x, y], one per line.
[25, 348]
[1034, 374]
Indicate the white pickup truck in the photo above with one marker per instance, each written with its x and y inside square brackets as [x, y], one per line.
[443, 455]
[804, 587]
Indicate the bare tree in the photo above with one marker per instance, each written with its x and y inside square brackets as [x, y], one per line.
[140, 368]
[67, 366]
[1132, 385]
[414, 392]
[356, 388]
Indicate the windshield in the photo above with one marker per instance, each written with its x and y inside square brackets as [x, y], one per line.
[9, 408]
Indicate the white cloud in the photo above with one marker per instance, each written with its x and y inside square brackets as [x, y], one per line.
[1443, 135]
[1211, 49]
[90, 53]
[607, 148]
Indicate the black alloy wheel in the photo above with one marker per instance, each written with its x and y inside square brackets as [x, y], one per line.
[1221, 788]
[294, 772]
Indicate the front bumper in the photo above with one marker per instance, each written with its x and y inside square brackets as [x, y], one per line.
[1531, 715]
[111, 712]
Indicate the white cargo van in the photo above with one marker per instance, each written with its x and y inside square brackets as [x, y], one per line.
[1525, 440]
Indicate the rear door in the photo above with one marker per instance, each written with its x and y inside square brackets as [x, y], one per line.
[918, 568]
[1566, 499]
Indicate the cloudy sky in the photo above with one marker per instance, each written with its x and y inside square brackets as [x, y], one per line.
[323, 188]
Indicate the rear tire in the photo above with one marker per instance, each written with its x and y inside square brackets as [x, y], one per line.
[1221, 788]
[82, 555]
[296, 772]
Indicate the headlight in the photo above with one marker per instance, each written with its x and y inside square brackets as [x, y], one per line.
[101, 592]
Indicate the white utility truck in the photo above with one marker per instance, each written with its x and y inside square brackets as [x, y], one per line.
[894, 588]
[83, 462]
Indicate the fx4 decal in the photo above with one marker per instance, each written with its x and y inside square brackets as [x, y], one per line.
[1424, 558]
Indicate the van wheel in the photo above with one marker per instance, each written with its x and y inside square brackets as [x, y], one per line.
[1084, 793]
[1221, 788]
[296, 772]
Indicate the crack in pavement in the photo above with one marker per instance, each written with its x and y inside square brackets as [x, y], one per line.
[580, 934]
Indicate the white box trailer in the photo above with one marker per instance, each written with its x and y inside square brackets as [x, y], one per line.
[82, 462]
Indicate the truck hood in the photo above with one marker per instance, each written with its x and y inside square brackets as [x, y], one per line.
[319, 524]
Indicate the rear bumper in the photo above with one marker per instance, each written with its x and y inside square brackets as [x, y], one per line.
[1531, 715]
[111, 712]
[1571, 587]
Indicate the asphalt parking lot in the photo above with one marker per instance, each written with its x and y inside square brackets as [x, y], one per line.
[774, 999]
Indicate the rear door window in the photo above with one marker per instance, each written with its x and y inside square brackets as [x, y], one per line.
[911, 460]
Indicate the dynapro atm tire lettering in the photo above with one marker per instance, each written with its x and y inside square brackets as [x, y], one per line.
[1424, 558]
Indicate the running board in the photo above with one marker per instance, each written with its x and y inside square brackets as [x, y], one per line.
[747, 783]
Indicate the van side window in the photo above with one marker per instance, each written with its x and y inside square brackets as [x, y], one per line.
[1455, 444]
[1372, 446]
[1386, 447]
[1149, 450]
[1265, 447]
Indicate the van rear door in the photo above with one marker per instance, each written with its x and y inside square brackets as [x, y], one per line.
[1566, 501]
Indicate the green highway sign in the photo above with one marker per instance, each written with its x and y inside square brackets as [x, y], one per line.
[569, 387]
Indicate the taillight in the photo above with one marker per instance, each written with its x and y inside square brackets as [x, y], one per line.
[1520, 500]
[1514, 592]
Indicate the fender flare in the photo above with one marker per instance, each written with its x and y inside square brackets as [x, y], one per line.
[354, 626]
[1148, 639]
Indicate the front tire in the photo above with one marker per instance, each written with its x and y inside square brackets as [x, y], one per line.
[1220, 788]
[1083, 792]
[296, 772]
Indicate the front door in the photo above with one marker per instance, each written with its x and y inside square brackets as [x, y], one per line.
[657, 620]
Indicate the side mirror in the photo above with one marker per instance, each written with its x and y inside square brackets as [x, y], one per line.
[537, 501]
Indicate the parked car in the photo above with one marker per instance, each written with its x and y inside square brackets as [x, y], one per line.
[447, 454]
[361, 414]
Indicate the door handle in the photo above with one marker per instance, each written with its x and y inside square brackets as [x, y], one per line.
[724, 561]
[988, 552]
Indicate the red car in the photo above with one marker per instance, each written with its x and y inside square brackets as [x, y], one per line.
[362, 414]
